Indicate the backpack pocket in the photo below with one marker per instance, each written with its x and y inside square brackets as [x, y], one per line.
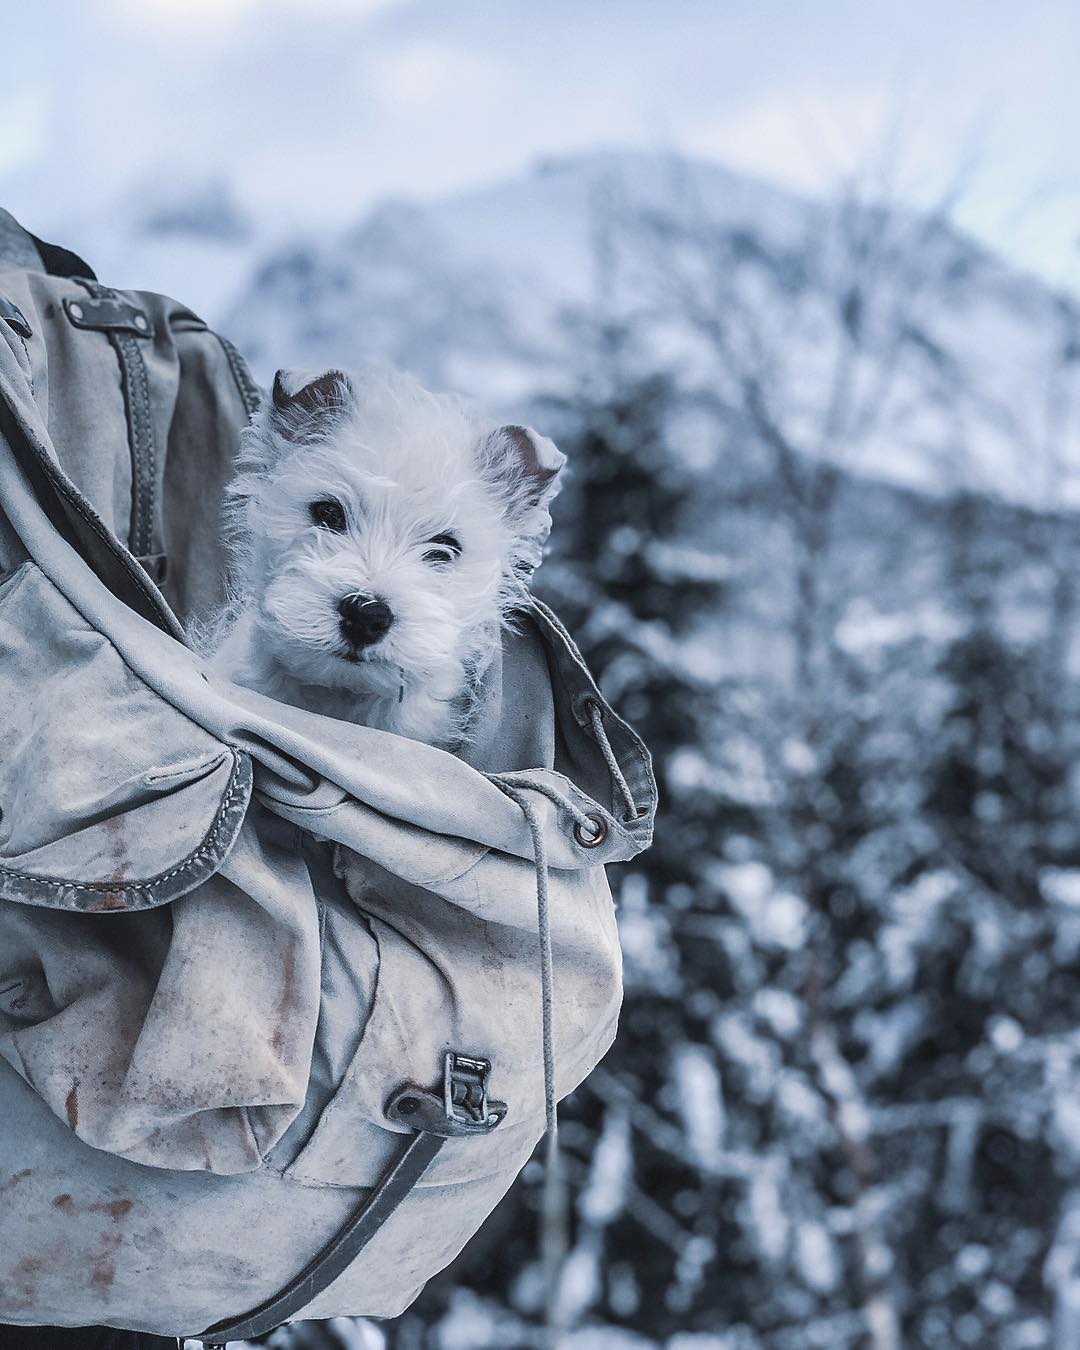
[160, 967]
[110, 798]
[449, 979]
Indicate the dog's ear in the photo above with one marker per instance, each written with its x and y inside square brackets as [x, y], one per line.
[524, 468]
[303, 414]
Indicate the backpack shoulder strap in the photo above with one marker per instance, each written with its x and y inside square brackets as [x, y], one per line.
[461, 1109]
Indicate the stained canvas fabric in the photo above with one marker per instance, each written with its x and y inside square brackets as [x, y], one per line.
[199, 1028]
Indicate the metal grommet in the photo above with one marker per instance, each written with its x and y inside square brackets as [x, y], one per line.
[591, 841]
[140, 323]
[76, 311]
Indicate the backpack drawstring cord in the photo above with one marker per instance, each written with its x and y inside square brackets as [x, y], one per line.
[554, 1236]
[553, 1215]
[554, 1219]
[543, 916]
[596, 717]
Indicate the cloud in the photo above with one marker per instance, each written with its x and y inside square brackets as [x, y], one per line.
[427, 76]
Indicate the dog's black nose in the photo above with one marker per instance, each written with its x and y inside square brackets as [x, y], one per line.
[364, 619]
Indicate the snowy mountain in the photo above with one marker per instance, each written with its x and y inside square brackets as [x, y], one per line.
[948, 358]
[470, 290]
[886, 341]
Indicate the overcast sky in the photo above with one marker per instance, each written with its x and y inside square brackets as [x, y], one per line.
[314, 108]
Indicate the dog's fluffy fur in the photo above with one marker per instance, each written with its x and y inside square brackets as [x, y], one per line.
[435, 514]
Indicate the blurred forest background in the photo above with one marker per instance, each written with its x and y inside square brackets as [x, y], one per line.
[820, 547]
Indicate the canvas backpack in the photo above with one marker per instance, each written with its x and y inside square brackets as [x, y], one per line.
[229, 1093]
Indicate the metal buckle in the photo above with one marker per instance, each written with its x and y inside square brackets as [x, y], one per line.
[464, 1107]
[465, 1083]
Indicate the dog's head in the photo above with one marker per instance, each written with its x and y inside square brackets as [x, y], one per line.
[384, 528]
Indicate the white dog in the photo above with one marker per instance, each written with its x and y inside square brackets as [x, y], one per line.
[381, 536]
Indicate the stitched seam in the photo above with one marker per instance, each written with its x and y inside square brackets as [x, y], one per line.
[248, 390]
[206, 847]
[140, 438]
[147, 484]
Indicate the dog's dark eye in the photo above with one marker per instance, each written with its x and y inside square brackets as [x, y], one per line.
[328, 513]
[444, 548]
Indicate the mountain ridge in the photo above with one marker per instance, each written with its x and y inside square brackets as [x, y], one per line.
[472, 291]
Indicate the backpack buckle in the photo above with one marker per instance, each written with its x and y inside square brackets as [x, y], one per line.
[463, 1108]
[465, 1085]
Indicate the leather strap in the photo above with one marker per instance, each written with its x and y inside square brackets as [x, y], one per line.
[248, 389]
[459, 1109]
[339, 1253]
[125, 324]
